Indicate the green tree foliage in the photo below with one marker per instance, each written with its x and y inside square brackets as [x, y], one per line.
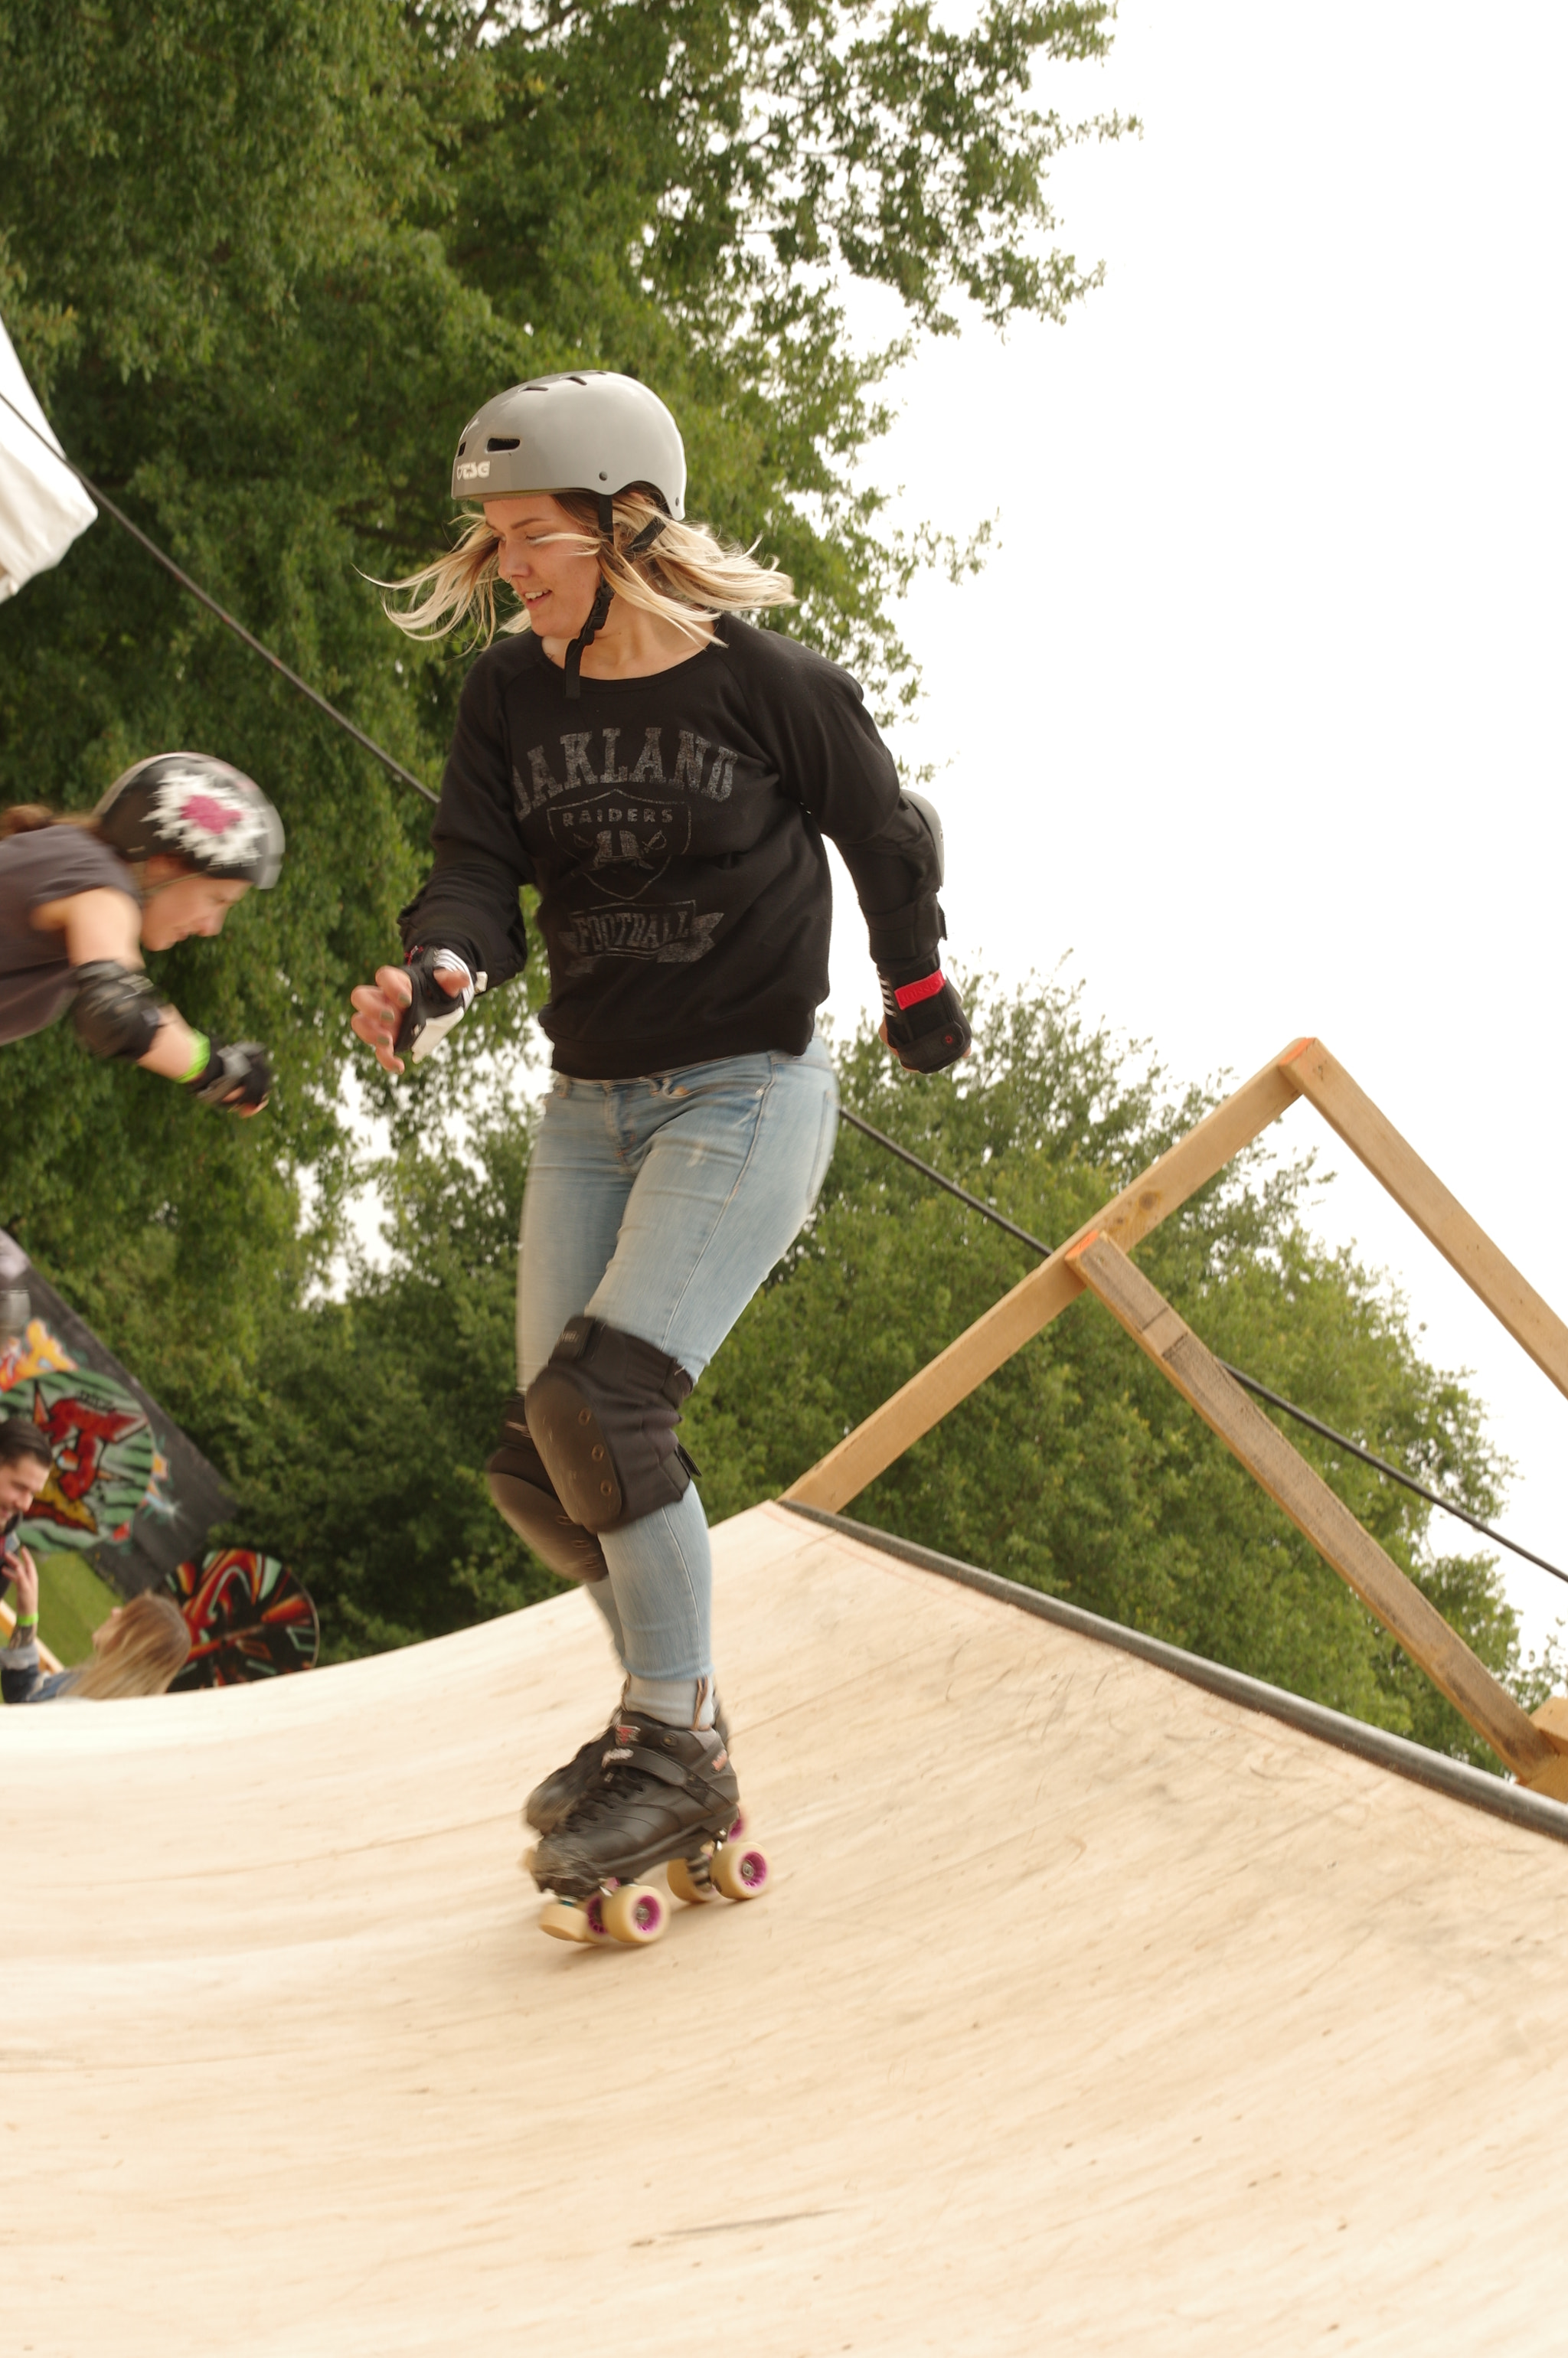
[1076, 1468]
[261, 262]
[359, 1452]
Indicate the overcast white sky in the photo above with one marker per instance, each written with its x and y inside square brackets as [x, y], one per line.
[1259, 712]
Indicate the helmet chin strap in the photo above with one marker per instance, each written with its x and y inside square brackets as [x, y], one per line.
[600, 610]
[598, 615]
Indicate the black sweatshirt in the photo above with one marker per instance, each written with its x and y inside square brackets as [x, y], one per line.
[674, 826]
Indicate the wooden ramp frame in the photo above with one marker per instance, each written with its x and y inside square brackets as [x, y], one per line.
[1095, 1257]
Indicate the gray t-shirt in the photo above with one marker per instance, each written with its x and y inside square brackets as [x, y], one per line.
[48, 864]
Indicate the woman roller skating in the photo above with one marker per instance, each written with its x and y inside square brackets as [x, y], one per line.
[663, 773]
[174, 844]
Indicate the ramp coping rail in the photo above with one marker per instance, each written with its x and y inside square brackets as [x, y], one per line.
[1461, 1782]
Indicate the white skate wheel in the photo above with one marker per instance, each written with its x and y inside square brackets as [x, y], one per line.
[635, 1914]
[564, 1920]
[739, 1871]
[696, 1895]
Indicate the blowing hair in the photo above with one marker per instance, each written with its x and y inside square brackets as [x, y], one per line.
[147, 1646]
[689, 576]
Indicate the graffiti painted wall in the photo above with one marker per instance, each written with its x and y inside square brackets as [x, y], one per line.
[126, 1482]
[249, 1619]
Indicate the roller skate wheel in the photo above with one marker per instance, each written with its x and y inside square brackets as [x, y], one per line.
[739, 1871]
[526, 1861]
[685, 1885]
[565, 1920]
[635, 1914]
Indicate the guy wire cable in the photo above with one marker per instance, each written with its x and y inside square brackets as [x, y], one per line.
[212, 607]
[1250, 1383]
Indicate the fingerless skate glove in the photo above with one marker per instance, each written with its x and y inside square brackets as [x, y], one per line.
[925, 1025]
[432, 1012]
[235, 1079]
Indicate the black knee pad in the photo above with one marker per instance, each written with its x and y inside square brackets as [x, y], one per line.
[602, 1414]
[524, 1494]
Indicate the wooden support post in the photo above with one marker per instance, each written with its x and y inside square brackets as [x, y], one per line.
[1553, 1721]
[1312, 1505]
[1461, 1240]
[1010, 1323]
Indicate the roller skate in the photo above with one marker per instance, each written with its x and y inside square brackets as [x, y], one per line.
[665, 1796]
[552, 1803]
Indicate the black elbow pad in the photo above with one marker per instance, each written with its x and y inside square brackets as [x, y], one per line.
[117, 1011]
[928, 812]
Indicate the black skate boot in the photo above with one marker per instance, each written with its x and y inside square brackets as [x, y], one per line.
[552, 1803]
[661, 1793]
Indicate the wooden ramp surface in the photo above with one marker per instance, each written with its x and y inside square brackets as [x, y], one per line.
[1087, 2013]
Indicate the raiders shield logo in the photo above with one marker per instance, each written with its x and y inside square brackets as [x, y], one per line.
[622, 842]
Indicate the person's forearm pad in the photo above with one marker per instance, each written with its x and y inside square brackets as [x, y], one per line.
[117, 1011]
[926, 1027]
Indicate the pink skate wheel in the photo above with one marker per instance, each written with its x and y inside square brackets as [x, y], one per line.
[739, 1871]
[636, 1914]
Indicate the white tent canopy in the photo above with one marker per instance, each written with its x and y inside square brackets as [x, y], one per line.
[42, 505]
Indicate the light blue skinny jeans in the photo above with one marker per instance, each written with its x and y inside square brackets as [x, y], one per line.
[660, 1205]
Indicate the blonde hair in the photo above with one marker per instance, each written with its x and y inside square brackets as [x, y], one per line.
[147, 1644]
[687, 575]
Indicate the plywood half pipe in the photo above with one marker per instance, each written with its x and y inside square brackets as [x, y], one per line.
[1089, 2012]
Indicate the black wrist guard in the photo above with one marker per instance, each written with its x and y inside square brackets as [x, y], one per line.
[432, 1012]
[925, 1025]
[236, 1077]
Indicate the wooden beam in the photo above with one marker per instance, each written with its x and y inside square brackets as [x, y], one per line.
[1010, 1323]
[1439, 1216]
[1312, 1505]
[1553, 1721]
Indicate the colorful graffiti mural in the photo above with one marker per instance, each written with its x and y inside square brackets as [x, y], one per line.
[88, 1506]
[248, 1615]
[106, 1462]
[31, 1353]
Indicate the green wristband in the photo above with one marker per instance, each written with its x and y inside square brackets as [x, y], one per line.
[202, 1059]
[27, 1620]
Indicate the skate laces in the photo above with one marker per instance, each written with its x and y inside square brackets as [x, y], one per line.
[634, 1769]
[622, 1778]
